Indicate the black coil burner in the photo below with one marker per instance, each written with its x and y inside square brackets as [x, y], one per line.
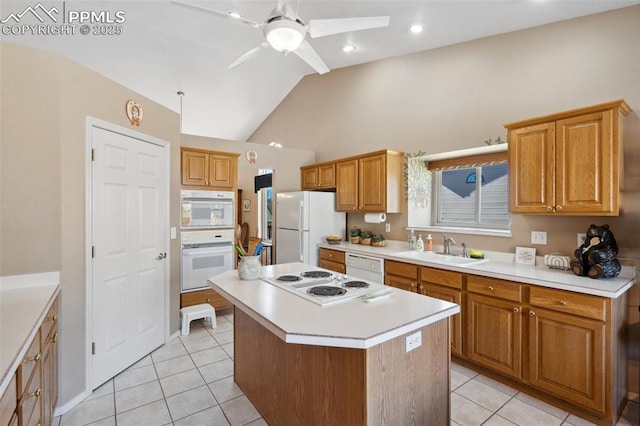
[326, 290]
[356, 284]
[316, 274]
[289, 278]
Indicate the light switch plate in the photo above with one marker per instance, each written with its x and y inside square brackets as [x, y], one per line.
[173, 233]
[387, 227]
[539, 237]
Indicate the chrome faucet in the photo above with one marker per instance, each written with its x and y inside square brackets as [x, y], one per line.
[465, 253]
[448, 242]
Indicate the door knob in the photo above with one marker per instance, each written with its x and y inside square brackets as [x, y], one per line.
[161, 256]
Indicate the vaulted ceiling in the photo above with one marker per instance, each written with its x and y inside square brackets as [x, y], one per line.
[164, 48]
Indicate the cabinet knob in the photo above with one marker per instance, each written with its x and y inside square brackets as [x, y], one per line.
[413, 285]
[54, 338]
[550, 208]
[35, 358]
[563, 303]
[421, 288]
[559, 208]
[208, 300]
[35, 393]
[516, 310]
[532, 314]
[490, 288]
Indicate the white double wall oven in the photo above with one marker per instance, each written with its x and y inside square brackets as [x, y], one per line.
[207, 224]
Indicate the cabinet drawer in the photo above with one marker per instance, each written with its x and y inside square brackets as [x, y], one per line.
[572, 303]
[8, 402]
[401, 269]
[203, 296]
[333, 266]
[50, 322]
[332, 255]
[29, 404]
[30, 361]
[439, 276]
[494, 287]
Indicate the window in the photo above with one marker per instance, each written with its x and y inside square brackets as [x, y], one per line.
[468, 190]
[473, 197]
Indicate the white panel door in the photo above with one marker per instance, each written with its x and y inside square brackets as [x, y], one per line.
[128, 208]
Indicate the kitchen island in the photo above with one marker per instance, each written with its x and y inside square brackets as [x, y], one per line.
[355, 363]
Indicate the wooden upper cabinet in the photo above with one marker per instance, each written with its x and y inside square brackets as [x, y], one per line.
[209, 168]
[318, 176]
[568, 163]
[370, 183]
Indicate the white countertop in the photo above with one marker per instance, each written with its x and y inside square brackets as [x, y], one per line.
[501, 265]
[352, 324]
[24, 302]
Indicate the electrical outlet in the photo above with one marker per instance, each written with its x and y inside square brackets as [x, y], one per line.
[414, 341]
[539, 237]
[387, 227]
[582, 237]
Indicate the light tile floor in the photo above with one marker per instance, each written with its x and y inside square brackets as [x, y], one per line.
[189, 381]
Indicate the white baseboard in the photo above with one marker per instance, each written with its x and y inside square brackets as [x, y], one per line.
[174, 335]
[63, 409]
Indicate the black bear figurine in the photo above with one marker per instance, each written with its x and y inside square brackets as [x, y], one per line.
[596, 257]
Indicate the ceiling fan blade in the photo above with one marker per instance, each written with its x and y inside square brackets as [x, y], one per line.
[307, 54]
[218, 13]
[325, 27]
[250, 54]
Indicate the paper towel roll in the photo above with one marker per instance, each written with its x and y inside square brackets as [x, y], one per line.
[375, 217]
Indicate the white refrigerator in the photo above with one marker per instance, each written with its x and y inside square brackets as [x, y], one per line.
[304, 219]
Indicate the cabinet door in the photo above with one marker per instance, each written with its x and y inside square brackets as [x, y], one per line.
[372, 183]
[531, 169]
[401, 282]
[195, 168]
[455, 322]
[309, 178]
[584, 164]
[494, 334]
[327, 176]
[203, 296]
[578, 377]
[222, 171]
[49, 379]
[347, 186]
[333, 266]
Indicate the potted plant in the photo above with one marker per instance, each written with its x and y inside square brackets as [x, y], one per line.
[365, 238]
[355, 236]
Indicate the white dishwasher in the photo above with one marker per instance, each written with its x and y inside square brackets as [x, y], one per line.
[365, 267]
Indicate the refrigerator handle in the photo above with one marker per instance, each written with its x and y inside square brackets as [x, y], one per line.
[300, 238]
[300, 211]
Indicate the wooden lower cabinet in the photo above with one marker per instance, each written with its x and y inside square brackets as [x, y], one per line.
[494, 334]
[204, 296]
[566, 357]
[332, 260]
[401, 275]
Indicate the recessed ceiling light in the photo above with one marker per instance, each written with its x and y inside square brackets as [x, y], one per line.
[275, 144]
[416, 28]
[348, 48]
[233, 14]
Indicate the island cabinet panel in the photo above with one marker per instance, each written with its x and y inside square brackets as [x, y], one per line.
[445, 285]
[568, 163]
[292, 384]
[578, 377]
[9, 402]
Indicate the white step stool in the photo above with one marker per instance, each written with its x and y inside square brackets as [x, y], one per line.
[190, 313]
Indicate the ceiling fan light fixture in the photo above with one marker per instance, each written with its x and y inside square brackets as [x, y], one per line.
[284, 35]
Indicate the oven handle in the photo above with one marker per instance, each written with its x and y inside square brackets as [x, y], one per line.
[200, 252]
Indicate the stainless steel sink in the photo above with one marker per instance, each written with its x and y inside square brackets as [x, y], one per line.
[445, 259]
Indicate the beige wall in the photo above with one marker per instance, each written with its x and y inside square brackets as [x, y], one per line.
[45, 102]
[456, 97]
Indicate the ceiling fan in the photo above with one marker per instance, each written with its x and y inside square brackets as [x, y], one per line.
[285, 32]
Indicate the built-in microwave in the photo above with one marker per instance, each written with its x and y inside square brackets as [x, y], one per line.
[207, 209]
